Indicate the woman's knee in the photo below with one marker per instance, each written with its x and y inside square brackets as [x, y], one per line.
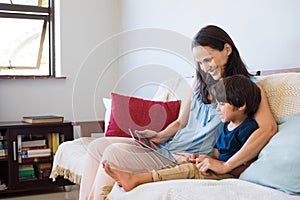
[118, 151]
[98, 146]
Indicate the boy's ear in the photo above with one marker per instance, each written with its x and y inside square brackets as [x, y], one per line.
[243, 107]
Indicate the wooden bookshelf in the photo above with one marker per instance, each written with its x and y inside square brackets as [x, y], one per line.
[13, 166]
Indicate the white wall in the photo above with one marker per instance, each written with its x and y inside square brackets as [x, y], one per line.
[84, 27]
[130, 46]
[266, 32]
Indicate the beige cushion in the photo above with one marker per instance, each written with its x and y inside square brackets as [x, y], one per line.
[283, 92]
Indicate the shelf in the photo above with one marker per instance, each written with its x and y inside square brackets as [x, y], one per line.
[16, 133]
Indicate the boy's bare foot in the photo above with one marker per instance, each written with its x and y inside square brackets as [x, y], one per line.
[126, 179]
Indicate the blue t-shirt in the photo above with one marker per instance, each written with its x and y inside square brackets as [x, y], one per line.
[232, 141]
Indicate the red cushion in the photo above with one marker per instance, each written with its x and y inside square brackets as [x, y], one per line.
[139, 114]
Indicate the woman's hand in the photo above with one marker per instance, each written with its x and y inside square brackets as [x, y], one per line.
[152, 135]
[206, 163]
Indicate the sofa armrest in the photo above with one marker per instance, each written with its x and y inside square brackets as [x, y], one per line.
[88, 127]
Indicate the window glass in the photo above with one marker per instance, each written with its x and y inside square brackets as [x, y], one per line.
[42, 3]
[26, 43]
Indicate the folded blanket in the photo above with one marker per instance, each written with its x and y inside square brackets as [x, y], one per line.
[66, 159]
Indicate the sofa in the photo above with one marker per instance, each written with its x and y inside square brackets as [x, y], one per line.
[274, 175]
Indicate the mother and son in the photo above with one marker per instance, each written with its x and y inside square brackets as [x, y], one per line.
[220, 132]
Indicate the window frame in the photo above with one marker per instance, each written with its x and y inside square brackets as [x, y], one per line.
[34, 12]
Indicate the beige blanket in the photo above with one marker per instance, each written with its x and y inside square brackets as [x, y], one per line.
[67, 159]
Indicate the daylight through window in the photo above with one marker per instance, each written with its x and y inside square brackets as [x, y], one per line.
[26, 38]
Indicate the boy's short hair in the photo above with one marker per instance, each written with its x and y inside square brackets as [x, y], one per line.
[237, 90]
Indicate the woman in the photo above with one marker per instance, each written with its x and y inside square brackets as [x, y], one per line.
[238, 99]
[196, 129]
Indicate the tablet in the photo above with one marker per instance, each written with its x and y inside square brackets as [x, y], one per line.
[147, 143]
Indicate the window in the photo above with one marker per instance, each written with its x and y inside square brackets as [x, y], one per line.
[27, 38]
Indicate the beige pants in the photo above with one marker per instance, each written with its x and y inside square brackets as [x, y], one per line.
[185, 171]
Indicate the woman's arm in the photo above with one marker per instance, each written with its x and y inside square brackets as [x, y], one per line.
[173, 127]
[254, 144]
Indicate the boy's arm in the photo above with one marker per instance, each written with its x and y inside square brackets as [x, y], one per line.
[216, 153]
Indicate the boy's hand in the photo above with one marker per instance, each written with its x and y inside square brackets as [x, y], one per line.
[192, 158]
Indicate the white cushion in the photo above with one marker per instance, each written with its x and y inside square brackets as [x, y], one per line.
[107, 105]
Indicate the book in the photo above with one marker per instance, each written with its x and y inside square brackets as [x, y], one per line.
[19, 143]
[33, 143]
[42, 166]
[36, 155]
[26, 172]
[3, 152]
[43, 119]
[38, 151]
[25, 167]
[55, 142]
[37, 159]
[49, 141]
[27, 177]
[34, 147]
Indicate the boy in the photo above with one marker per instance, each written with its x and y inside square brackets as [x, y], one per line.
[238, 99]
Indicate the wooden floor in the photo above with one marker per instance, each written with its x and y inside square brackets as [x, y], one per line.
[56, 194]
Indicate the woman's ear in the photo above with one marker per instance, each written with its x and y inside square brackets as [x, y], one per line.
[228, 48]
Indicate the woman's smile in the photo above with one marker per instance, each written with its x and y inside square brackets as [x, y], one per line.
[213, 71]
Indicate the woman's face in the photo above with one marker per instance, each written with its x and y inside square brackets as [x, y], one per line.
[212, 61]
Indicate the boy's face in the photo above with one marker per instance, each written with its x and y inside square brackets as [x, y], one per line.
[227, 112]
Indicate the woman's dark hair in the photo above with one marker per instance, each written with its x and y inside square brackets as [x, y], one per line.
[216, 38]
[237, 90]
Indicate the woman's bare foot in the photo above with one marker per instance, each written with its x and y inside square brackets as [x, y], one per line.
[125, 179]
[106, 167]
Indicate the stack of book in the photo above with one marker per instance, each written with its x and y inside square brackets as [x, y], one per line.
[33, 150]
[26, 173]
[43, 170]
